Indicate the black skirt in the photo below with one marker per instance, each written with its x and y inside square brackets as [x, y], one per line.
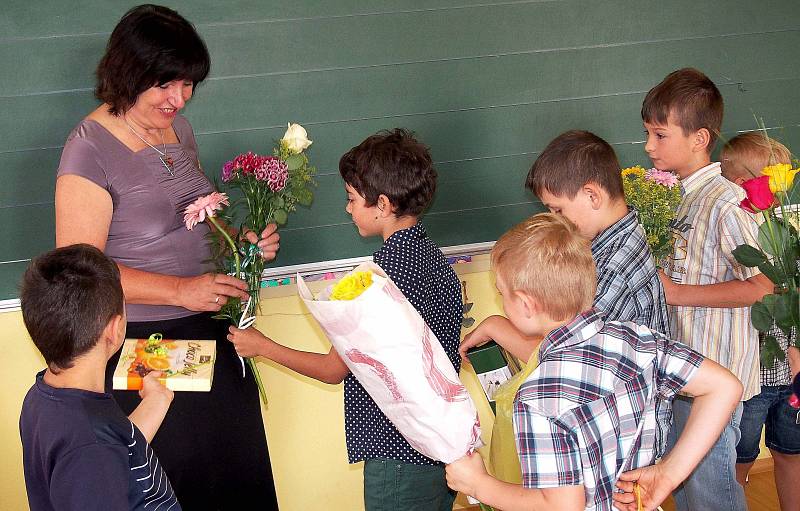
[211, 444]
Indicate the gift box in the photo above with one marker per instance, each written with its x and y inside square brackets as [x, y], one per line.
[185, 365]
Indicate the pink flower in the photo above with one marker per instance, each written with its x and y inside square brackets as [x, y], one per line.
[203, 207]
[274, 171]
[661, 177]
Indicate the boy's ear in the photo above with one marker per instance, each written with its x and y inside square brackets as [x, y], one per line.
[530, 305]
[114, 333]
[385, 206]
[701, 140]
[595, 194]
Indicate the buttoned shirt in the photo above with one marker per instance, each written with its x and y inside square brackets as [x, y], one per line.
[628, 287]
[588, 411]
[708, 226]
[419, 269]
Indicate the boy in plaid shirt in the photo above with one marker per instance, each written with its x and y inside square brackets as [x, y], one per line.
[588, 412]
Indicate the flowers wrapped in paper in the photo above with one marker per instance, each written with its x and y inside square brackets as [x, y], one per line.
[398, 359]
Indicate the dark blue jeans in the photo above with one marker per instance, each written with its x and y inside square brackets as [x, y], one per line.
[770, 410]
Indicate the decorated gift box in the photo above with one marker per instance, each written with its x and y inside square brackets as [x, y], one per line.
[493, 366]
[185, 365]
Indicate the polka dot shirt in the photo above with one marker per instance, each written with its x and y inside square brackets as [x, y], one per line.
[417, 266]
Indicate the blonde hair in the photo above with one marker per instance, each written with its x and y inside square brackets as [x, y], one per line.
[745, 155]
[546, 257]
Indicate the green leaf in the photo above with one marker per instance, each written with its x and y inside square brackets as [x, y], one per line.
[280, 216]
[769, 270]
[761, 317]
[277, 201]
[749, 256]
[793, 197]
[295, 161]
[783, 312]
[773, 237]
[771, 351]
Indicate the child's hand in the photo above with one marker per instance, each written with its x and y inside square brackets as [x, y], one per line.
[249, 342]
[268, 242]
[153, 389]
[482, 333]
[654, 486]
[464, 474]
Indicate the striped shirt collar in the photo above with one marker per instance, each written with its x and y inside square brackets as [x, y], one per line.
[585, 325]
[700, 177]
[621, 226]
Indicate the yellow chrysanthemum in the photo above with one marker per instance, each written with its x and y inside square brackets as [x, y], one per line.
[636, 170]
[351, 285]
[781, 176]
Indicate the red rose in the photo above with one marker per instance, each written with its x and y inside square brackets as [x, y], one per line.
[759, 196]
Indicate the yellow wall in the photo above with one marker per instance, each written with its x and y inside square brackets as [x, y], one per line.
[304, 420]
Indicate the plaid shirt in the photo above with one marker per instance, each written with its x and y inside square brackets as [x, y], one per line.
[588, 412]
[779, 374]
[628, 288]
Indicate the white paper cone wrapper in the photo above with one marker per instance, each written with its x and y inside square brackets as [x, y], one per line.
[401, 364]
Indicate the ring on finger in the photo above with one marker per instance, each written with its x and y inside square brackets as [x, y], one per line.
[216, 300]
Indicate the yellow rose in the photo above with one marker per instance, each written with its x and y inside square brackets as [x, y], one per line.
[781, 177]
[351, 285]
[296, 138]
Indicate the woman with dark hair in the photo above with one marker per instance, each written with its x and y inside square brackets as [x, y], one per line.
[127, 173]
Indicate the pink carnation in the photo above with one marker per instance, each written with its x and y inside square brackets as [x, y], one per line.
[274, 171]
[661, 177]
[203, 207]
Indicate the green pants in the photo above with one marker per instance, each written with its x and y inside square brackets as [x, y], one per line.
[391, 485]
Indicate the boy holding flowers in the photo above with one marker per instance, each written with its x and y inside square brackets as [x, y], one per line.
[708, 292]
[588, 411]
[744, 158]
[390, 180]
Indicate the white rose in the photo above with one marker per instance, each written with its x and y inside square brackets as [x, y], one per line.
[296, 138]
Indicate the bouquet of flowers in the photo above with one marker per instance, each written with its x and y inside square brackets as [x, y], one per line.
[271, 187]
[397, 358]
[656, 195]
[776, 195]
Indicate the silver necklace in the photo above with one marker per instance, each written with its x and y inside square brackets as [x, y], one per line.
[166, 159]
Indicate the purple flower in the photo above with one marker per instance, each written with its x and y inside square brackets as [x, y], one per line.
[661, 177]
[227, 171]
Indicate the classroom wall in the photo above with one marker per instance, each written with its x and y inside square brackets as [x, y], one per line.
[486, 83]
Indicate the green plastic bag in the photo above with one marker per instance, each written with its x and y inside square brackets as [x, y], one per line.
[503, 457]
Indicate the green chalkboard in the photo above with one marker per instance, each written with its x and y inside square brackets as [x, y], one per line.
[485, 84]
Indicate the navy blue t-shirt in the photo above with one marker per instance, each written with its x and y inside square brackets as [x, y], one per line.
[417, 266]
[80, 452]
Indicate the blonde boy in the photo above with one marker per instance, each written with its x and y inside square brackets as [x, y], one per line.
[588, 411]
[708, 292]
[742, 158]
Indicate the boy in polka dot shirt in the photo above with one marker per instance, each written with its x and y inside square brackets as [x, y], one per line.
[390, 180]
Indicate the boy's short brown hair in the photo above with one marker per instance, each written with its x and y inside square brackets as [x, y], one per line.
[692, 99]
[546, 257]
[570, 161]
[745, 155]
[68, 297]
[394, 164]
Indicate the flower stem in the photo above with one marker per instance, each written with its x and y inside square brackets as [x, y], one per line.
[230, 243]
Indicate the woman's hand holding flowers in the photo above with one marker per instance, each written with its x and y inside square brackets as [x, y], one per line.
[209, 292]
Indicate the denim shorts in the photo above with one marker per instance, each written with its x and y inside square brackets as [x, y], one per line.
[769, 410]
